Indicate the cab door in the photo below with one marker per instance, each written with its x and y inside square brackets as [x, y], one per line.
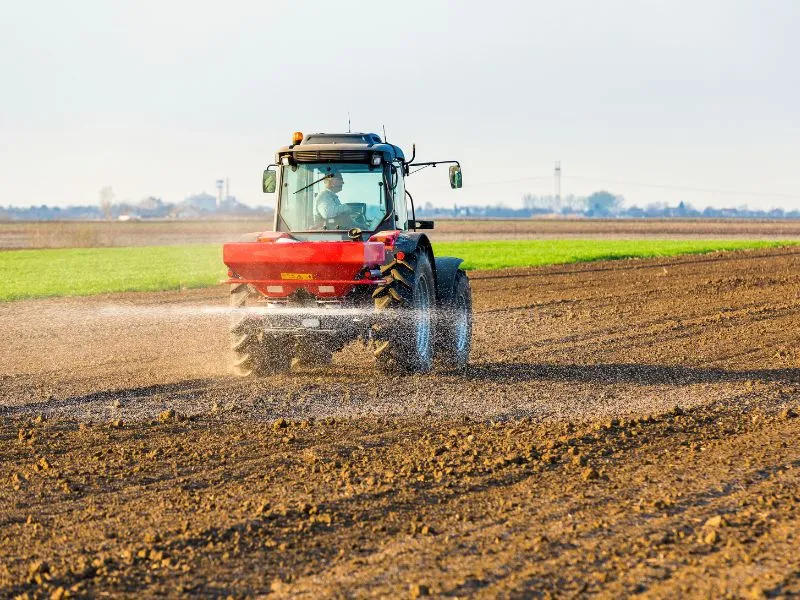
[400, 198]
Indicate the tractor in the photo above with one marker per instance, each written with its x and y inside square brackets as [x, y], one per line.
[346, 260]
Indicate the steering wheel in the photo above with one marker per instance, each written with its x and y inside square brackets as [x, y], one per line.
[356, 214]
[360, 219]
[351, 218]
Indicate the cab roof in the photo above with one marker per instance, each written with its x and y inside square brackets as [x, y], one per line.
[342, 138]
[347, 143]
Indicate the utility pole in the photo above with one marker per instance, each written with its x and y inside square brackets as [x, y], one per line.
[106, 199]
[227, 189]
[557, 182]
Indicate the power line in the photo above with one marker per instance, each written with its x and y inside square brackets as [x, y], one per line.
[788, 196]
[508, 181]
[685, 188]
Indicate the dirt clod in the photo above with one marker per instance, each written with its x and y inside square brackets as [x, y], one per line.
[579, 460]
[715, 521]
[151, 537]
[789, 413]
[58, 594]
[589, 474]
[417, 590]
[279, 586]
[38, 567]
[711, 537]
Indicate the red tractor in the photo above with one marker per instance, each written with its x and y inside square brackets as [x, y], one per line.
[345, 261]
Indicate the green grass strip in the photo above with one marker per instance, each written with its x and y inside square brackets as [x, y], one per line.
[88, 271]
[536, 253]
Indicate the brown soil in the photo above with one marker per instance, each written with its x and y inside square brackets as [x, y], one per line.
[68, 234]
[458, 230]
[625, 428]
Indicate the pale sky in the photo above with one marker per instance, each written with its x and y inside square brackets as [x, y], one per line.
[163, 98]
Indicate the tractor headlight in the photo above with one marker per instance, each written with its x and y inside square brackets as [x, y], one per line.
[376, 160]
[285, 161]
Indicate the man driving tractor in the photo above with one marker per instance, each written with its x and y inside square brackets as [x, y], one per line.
[328, 204]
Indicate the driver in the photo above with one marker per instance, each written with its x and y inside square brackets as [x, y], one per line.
[328, 204]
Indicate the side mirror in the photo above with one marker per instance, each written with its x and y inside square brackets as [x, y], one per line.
[268, 183]
[455, 176]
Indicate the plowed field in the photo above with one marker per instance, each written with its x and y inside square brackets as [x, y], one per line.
[98, 234]
[625, 428]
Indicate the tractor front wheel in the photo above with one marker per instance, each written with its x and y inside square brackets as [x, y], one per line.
[455, 325]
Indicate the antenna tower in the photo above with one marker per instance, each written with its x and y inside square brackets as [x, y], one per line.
[220, 184]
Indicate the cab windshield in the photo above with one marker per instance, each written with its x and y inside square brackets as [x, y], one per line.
[324, 197]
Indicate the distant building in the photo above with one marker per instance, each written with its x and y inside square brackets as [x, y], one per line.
[187, 211]
[202, 201]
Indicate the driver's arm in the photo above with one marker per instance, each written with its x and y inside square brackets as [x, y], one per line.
[328, 207]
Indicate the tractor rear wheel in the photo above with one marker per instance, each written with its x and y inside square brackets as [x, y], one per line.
[404, 339]
[253, 352]
[455, 325]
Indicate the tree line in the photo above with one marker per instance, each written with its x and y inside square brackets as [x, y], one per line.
[602, 204]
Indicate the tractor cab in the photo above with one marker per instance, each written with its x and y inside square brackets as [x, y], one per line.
[340, 186]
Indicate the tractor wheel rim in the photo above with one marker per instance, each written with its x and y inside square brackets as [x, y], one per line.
[423, 318]
[462, 325]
